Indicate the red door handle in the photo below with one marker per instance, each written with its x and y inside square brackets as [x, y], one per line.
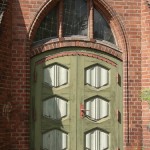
[82, 111]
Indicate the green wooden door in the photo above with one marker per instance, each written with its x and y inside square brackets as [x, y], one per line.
[76, 105]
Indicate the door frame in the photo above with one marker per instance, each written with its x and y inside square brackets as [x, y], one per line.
[83, 52]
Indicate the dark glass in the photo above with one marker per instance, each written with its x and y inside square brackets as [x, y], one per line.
[102, 30]
[48, 27]
[75, 17]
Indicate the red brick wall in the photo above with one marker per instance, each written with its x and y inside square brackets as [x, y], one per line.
[5, 76]
[15, 66]
[20, 79]
[145, 52]
[129, 12]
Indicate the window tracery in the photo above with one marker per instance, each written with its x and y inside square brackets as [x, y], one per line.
[75, 18]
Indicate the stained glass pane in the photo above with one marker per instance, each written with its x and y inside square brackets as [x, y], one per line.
[48, 27]
[75, 17]
[102, 29]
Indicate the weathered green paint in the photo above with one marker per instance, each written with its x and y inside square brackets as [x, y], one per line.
[76, 92]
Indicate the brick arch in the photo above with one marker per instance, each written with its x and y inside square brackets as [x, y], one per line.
[76, 43]
[110, 15]
[75, 53]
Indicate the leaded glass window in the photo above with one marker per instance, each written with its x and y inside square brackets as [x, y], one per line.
[102, 29]
[75, 17]
[48, 27]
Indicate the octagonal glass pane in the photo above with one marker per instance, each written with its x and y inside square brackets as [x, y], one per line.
[55, 108]
[56, 75]
[55, 140]
[97, 140]
[97, 108]
[97, 76]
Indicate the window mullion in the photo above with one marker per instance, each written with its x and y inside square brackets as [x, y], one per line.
[91, 20]
[60, 20]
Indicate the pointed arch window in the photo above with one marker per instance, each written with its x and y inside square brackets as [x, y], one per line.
[75, 18]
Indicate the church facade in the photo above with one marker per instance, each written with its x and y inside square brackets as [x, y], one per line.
[72, 74]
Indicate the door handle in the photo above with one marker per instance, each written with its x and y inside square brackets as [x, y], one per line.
[82, 111]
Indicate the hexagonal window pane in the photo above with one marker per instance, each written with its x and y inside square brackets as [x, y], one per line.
[55, 140]
[56, 75]
[55, 108]
[97, 140]
[97, 108]
[97, 76]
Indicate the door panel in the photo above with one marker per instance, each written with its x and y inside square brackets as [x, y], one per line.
[103, 86]
[65, 85]
[56, 96]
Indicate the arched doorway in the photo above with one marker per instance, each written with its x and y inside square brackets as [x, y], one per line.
[77, 92]
[77, 100]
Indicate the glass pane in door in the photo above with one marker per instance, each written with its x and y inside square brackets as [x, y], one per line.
[97, 76]
[97, 140]
[97, 108]
[55, 75]
[55, 108]
[55, 140]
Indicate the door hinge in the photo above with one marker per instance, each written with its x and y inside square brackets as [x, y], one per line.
[33, 110]
[33, 115]
[35, 76]
[118, 79]
[118, 116]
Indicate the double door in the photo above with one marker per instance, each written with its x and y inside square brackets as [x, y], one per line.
[75, 104]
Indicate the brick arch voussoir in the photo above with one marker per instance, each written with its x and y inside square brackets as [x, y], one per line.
[84, 44]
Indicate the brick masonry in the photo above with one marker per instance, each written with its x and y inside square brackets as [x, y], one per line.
[130, 22]
[145, 70]
[5, 76]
